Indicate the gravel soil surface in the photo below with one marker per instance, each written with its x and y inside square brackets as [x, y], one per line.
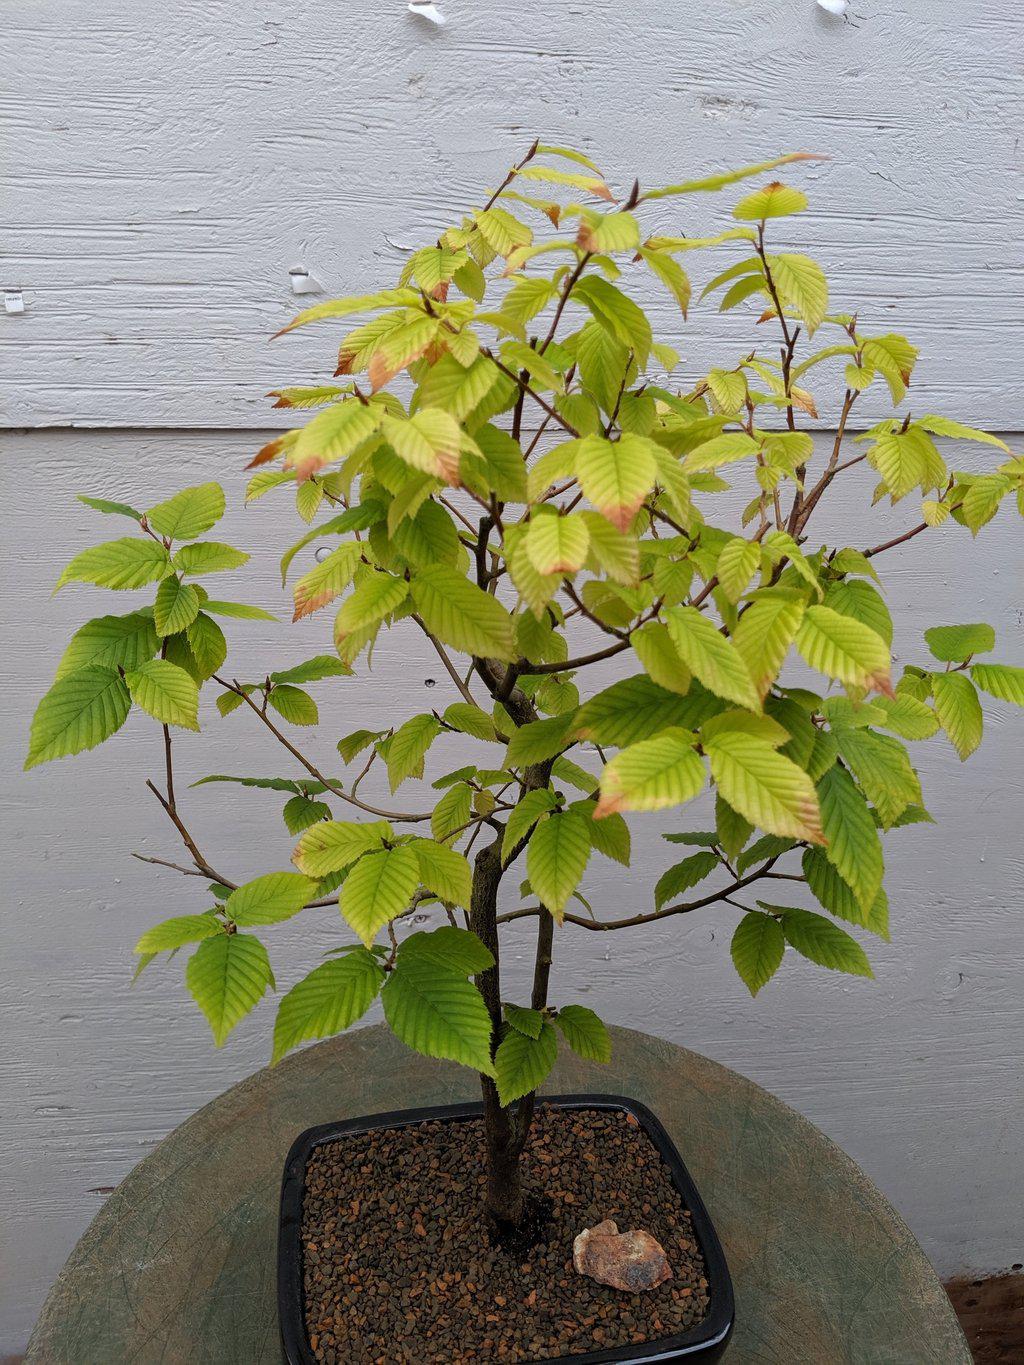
[397, 1265]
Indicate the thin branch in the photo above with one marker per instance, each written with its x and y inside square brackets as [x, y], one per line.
[400, 817]
[890, 544]
[442, 654]
[555, 416]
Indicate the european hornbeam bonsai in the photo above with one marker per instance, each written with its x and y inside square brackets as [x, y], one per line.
[506, 467]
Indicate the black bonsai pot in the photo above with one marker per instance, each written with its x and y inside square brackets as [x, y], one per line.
[704, 1340]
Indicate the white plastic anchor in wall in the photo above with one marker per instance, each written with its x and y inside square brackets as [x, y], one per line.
[426, 9]
[837, 7]
[14, 301]
[303, 282]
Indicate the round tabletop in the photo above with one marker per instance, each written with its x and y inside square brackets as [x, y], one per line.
[179, 1264]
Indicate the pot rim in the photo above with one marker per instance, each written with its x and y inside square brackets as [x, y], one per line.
[708, 1336]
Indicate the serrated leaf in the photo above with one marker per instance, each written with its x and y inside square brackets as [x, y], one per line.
[720, 450]
[165, 692]
[684, 875]
[764, 634]
[376, 597]
[270, 899]
[556, 858]
[652, 775]
[331, 998]
[822, 942]
[801, 283]
[882, 768]
[773, 201]
[379, 887]
[176, 933]
[335, 844]
[864, 603]
[461, 614]
[296, 706]
[438, 1014]
[444, 872]
[636, 708]
[110, 642]
[585, 1033]
[407, 747]
[732, 828]
[907, 716]
[737, 563]
[429, 441]
[300, 812]
[176, 606]
[758, 944]
[711, 657]
[209, 556]
[449, 949]
[524, 816]
[208, 645]
[119, 564]
[844, 648]
[557, 544]
[241, 611]
[326, 579]
[959, 711]
[227, 976]
[839, 899]
[104, 505]
[522, 1063]
[616, 476]
[853, 846]
[527, 1021]
[954, 644]
[189, 513]
[1000, 680]
[766, 788]
[540, 740]
[653, 646]
[452, 812]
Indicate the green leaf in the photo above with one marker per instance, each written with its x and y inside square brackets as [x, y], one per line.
[719, 181]
[618, 314]
[1000, 680]
[208, 645]
[636, 708]
[189, 513]
[684, 875]
[609, 835]
[838, 897]
[757, 948]
[444, 872]
[765, 632]
[882, 767]
[300, 812]
[959, 711]
[176, 606]
[844, 648]
[312, 670]
[821, 941]
[802, 285]
[331, 998]
[326, 579]
[864, 603]
[461, 614]
[175, 933]
[539, 740]
[297, 707]
[104, 505]
[768, 846]
[766, 788]
[269, 899]
[131, 562]
[379, 887]
[522, 1063]
[653, 646]
[438, 1014]
[209, 556]
[524, 816]
[954, 644]
[408, 746]
[723, 449]
[737, 563]
[526, 1021]
[335, 844]
[470, 720]
[227, 976]
[110, 642]
[556, 858]
[448, 948]
[907, 716]
[652, 775]
[165, 692]
[557, 544]
[616, 476]
[585, 1033]
[732, 829]
[452, 812]
[375, 598]
[239, 610]
[711, 657]
[853, 848]
[773, 201]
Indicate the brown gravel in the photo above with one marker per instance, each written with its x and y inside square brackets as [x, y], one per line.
[397, 1266]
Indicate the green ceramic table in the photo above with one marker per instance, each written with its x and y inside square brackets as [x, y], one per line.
[178, 1266]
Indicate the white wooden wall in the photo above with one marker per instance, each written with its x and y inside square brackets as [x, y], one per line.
[164, 167]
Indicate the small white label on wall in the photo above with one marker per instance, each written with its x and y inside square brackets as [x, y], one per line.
[14, 301]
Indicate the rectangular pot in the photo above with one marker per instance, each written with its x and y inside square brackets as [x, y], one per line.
[705, 1342]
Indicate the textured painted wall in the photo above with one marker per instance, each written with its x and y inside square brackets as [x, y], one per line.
[165, 168]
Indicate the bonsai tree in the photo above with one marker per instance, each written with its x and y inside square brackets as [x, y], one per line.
[506, 467]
